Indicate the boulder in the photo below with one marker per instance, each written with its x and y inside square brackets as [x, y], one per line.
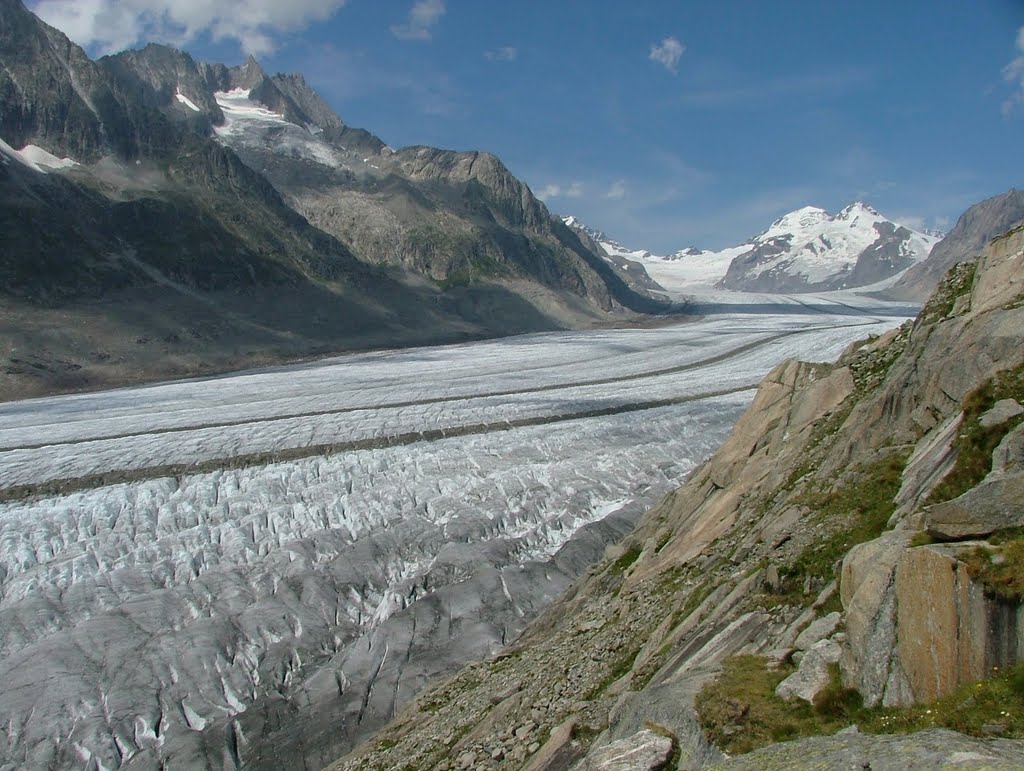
[1000, 412]
[949, 631]
[1008, 457]
[813, 675]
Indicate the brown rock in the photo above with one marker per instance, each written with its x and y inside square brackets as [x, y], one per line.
[949, 631]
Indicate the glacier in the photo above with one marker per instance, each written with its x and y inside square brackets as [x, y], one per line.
[258, 569]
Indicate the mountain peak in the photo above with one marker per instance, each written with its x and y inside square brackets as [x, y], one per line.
[855, 209]
[804, 217]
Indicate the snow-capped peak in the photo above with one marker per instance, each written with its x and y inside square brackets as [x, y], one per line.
[809, 248]
[802, 219]
[805, 249]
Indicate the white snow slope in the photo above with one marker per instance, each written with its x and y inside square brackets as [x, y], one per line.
[140, 621]
[817, 246]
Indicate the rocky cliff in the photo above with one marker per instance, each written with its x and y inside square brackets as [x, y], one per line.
[849, 559]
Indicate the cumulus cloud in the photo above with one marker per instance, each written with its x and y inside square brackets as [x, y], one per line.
[617, 191]
[423, 16]
[503, 54]
[113, 25]
[1013, 73]
[572, 190]
[667, 53]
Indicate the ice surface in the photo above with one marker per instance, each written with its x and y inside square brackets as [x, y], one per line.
[247, 123]
[143, 622]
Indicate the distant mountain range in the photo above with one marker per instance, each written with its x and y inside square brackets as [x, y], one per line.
[803, 251]
[167, 217]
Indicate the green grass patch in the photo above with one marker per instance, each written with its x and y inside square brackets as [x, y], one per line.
[618, 669]
[993, 705]
[740, 712]
[860, 511]
[622, 564]
[921, 539]
[974, 443]
[697, 595]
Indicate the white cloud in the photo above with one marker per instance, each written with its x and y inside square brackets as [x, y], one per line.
[667, 53]
[113, 25]
[1013, 73]
[503, 54]
[574, 189]
[423, 16]
[617, 191]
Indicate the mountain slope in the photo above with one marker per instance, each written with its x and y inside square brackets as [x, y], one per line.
[973, 230]
[848, 464]
[241, 202]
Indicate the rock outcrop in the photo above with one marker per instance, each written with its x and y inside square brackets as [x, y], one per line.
[832, 473]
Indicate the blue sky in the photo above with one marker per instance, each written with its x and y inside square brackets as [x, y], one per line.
[663, 123]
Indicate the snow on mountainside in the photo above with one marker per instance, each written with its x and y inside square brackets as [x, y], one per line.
[809, 249]
[805, 250]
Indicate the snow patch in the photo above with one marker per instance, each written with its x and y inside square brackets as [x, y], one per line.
[186, 101]
[36, 158]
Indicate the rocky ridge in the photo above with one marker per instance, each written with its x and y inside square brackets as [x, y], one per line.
[810, 539]
[967, 239]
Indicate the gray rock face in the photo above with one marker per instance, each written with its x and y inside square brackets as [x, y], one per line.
[993, 505]
[866, 588]
[936, 748]
[644, 751]
[817, 630]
